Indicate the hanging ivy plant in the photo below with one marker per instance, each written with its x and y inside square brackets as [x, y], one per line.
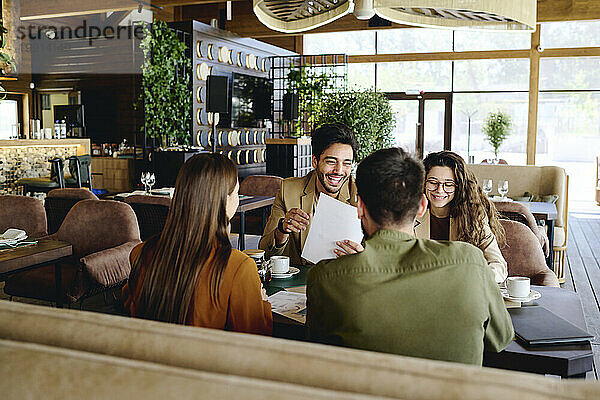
[311, 88]
[166, 90]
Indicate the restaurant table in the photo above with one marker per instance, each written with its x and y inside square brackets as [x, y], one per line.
[44, 252]
[568, 361]
[546, 212]
[247, 203]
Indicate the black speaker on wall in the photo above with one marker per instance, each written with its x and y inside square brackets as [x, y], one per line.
[290, 106]
[217, 94]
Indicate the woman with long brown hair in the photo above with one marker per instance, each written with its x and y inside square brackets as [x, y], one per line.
[459, 210]
[189, 274]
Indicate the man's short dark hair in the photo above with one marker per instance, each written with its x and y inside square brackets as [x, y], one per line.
[328, 134]
[390, 183]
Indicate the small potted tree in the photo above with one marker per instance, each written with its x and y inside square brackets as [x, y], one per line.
[497, 128]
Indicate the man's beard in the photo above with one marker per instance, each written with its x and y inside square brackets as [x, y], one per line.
[326, 184]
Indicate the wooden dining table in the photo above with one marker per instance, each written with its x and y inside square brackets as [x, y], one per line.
[44, 252]
[567, 361]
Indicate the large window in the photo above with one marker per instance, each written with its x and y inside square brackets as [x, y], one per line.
[570, 34]
[429, 76]
[481, 40]
[491, 75]
[579, 73]
[478, 106]
[568, 135]
[413, 40]
[355, 42]
[361, 76]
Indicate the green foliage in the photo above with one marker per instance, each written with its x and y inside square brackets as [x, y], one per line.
[166, 94]
[311, 89]
[497, 129]
[368, 113]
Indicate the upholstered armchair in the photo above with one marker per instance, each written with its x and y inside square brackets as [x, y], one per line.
[59, 202]
[151, 213]
[256, 185]
[22, 212]
[524, 255]
[102, 233]
[518, 212]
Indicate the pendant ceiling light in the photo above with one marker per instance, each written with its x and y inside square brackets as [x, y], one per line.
[504, 15]
[302, 15]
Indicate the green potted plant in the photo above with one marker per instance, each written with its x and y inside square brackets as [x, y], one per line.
[367, 112]
[166, 87]
[497, 128]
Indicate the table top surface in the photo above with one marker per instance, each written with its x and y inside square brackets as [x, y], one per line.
[248, 203]
[562, 360]
[541, 209]
[44, 250]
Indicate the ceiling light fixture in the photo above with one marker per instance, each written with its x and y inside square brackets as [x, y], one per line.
[303, 15]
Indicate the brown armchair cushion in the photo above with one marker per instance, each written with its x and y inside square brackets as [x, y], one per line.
[95, 225]
[102, 233]
[23, 212]
[260, 185]
[518, 212]
[524, 256]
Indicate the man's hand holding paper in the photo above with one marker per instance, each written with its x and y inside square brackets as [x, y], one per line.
[334, 224]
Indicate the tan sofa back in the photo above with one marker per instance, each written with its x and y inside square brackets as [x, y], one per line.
[34, 371]
[542, 180]
[277, 360]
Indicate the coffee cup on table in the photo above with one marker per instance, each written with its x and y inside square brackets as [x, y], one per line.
[280, 264]
[517, 286]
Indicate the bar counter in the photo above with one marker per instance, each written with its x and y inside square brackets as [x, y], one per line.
[27, 158]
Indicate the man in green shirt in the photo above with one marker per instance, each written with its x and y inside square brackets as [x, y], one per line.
[402, 295]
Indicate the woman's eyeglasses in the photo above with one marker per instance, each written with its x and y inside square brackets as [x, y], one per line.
[433, 185]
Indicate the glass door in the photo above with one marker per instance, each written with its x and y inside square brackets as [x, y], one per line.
[423, 121]
[9, 119]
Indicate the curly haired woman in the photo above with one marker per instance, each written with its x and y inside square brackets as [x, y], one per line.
[458, 210]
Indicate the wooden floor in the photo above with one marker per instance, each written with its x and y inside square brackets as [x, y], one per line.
[583, 273]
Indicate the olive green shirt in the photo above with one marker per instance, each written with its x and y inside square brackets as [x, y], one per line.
[415, 297]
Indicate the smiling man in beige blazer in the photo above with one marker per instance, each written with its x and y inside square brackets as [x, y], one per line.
[334, 149]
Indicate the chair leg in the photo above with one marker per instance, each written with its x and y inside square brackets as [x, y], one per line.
[559, 263]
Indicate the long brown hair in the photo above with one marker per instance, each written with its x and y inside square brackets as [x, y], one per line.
[469, 207]
[194, 237]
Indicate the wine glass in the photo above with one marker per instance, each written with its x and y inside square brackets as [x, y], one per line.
[503, 188]
[487, 187]
[144, 180]
[150, 179]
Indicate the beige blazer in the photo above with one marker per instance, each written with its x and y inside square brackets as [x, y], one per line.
[297, 193]
[489, 245]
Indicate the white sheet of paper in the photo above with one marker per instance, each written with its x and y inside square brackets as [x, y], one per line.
[289, 304]
[333, 221]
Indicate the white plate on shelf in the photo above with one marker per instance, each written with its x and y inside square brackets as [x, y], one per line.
[291, 272]
[533, 295]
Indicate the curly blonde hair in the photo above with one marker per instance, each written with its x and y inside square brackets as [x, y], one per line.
[470, 207]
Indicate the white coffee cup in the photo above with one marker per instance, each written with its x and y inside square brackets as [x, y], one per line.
[280, 264]
[517, 286]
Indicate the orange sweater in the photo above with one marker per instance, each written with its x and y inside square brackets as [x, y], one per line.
[239, 307]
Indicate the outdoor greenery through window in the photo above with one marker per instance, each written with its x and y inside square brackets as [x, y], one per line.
[429, 76]
[568, 132]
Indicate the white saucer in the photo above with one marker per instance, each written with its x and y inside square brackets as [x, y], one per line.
[291, 272]
[533, 295]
